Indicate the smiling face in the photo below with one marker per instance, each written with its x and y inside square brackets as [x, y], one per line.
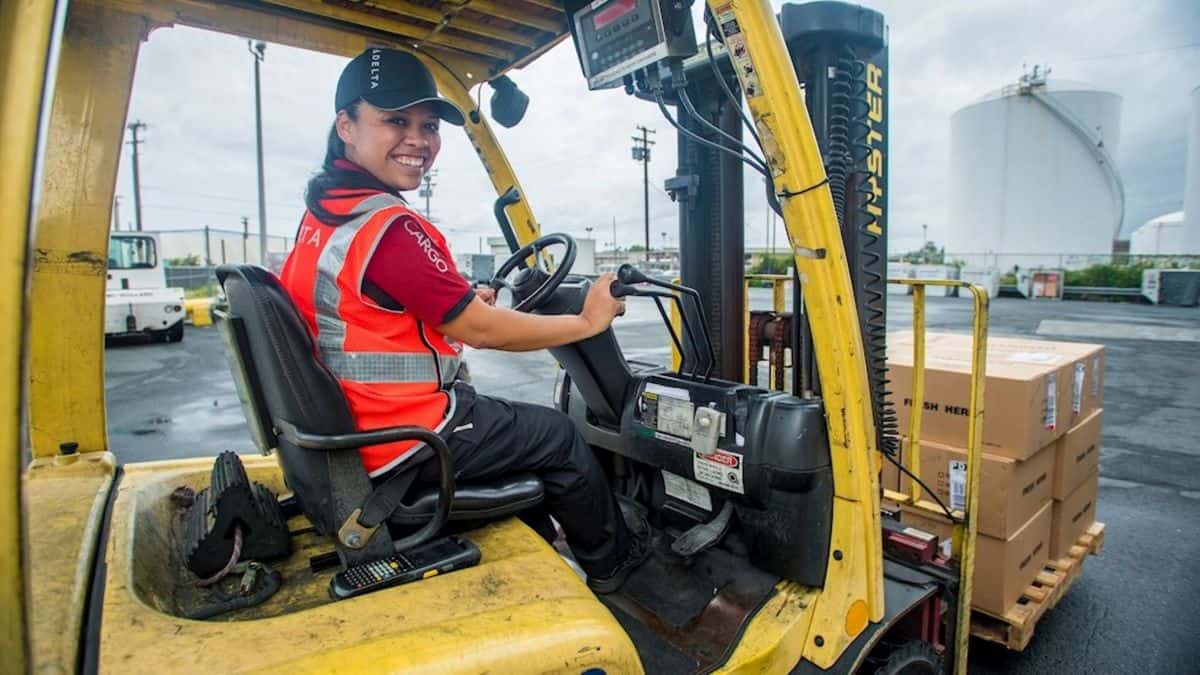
[396, 146]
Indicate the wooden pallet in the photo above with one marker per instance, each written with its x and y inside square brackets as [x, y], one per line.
[1015, 629]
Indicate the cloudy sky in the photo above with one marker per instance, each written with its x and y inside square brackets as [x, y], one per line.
[195, 91]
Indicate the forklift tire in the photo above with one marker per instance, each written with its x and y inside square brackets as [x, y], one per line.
[175, 333]
[912, 658]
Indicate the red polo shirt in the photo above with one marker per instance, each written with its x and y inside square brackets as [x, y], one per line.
[412, 265]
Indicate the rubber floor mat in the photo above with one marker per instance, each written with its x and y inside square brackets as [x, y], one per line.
[686, 616]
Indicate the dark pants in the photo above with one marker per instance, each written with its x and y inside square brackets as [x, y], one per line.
[496, 438]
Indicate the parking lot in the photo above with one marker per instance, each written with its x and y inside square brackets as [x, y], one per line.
[1132, 611]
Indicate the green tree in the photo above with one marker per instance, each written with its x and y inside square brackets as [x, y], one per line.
[771, 264]
[192, 260]
[929, 254]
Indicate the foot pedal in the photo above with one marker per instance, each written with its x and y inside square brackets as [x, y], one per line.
[429, 559]
[229, 505]
[704, 535]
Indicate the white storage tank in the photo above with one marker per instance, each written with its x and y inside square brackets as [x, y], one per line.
[1191, 189]
[1163, 235]
[1032, 176]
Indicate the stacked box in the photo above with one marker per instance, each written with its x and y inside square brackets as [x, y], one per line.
[1003, 567]
[1039, 442]
[1076, 483]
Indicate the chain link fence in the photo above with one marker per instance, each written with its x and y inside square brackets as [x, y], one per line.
[1006, 262]
[192, 256]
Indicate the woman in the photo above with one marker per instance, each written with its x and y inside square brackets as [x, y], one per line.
[387, 309]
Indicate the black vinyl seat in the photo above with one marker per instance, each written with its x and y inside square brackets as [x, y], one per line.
[295, 406]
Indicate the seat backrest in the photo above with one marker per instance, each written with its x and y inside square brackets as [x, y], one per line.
[280, 377]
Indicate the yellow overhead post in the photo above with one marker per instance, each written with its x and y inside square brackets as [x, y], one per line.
[454, 87]
[772, 92]
[83, 150]
[27, 32]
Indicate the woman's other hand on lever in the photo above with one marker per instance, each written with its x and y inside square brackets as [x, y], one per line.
[600, 307]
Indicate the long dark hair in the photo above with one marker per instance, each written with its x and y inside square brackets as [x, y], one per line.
[332, 177]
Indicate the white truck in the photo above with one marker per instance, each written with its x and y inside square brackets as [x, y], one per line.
[137, 299]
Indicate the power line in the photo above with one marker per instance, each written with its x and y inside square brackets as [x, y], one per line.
[1121, 55]
[134, 127]
[641, 152]
[427, 192]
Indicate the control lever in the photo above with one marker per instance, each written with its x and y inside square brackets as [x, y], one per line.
[627, 277]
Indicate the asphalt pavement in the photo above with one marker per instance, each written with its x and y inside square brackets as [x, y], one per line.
[1132, 611]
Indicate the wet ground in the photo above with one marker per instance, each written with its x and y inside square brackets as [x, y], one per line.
[1134, 609]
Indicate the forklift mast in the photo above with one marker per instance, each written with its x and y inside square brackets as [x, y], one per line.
[839, 52]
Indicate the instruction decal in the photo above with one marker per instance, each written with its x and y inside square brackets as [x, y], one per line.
[722, 469]
[958, 485]
[674, 417]
[1096, 375]
[1077, 390]
[739, 56]
[1051, 415]
[685, 490]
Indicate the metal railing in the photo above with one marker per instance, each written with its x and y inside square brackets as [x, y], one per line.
[963, 523]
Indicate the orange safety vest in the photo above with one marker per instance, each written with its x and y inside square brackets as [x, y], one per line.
[393, 369]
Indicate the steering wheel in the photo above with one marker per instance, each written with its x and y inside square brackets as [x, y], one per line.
[553, 279]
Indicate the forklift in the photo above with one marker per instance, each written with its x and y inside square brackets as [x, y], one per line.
[770, 550]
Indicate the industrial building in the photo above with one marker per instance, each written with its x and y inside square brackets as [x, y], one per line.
[1032, 176]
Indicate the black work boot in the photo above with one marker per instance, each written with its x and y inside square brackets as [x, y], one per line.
[638, 552]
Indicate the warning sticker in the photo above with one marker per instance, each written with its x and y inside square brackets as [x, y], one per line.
[958, 485]
[722, 468]
[686, 490]
[1077, 390]
[675, 417]
[1051, 416]
[1095, 375]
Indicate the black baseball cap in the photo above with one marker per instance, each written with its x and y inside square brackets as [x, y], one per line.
[391, 79]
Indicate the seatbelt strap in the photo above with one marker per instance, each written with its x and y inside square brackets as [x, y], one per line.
[387, 497]
[351, 487]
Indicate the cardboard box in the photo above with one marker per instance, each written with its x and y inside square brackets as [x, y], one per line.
[1073, 515]
[1003, 567]
[1010, 491]
[1026, 394]
[1077, 455]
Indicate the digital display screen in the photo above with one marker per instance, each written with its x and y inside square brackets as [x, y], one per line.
[613, 11]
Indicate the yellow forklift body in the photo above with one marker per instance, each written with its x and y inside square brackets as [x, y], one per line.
[522, 609]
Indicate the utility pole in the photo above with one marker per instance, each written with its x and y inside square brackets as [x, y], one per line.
[427, 193]
[245, 236]
[258, 51]
[641, 153]
[614, 234]
[589, 229]
[116, 213]
[135, 127]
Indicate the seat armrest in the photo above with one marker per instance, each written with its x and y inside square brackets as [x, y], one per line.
[358, 439]
[352, 441]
